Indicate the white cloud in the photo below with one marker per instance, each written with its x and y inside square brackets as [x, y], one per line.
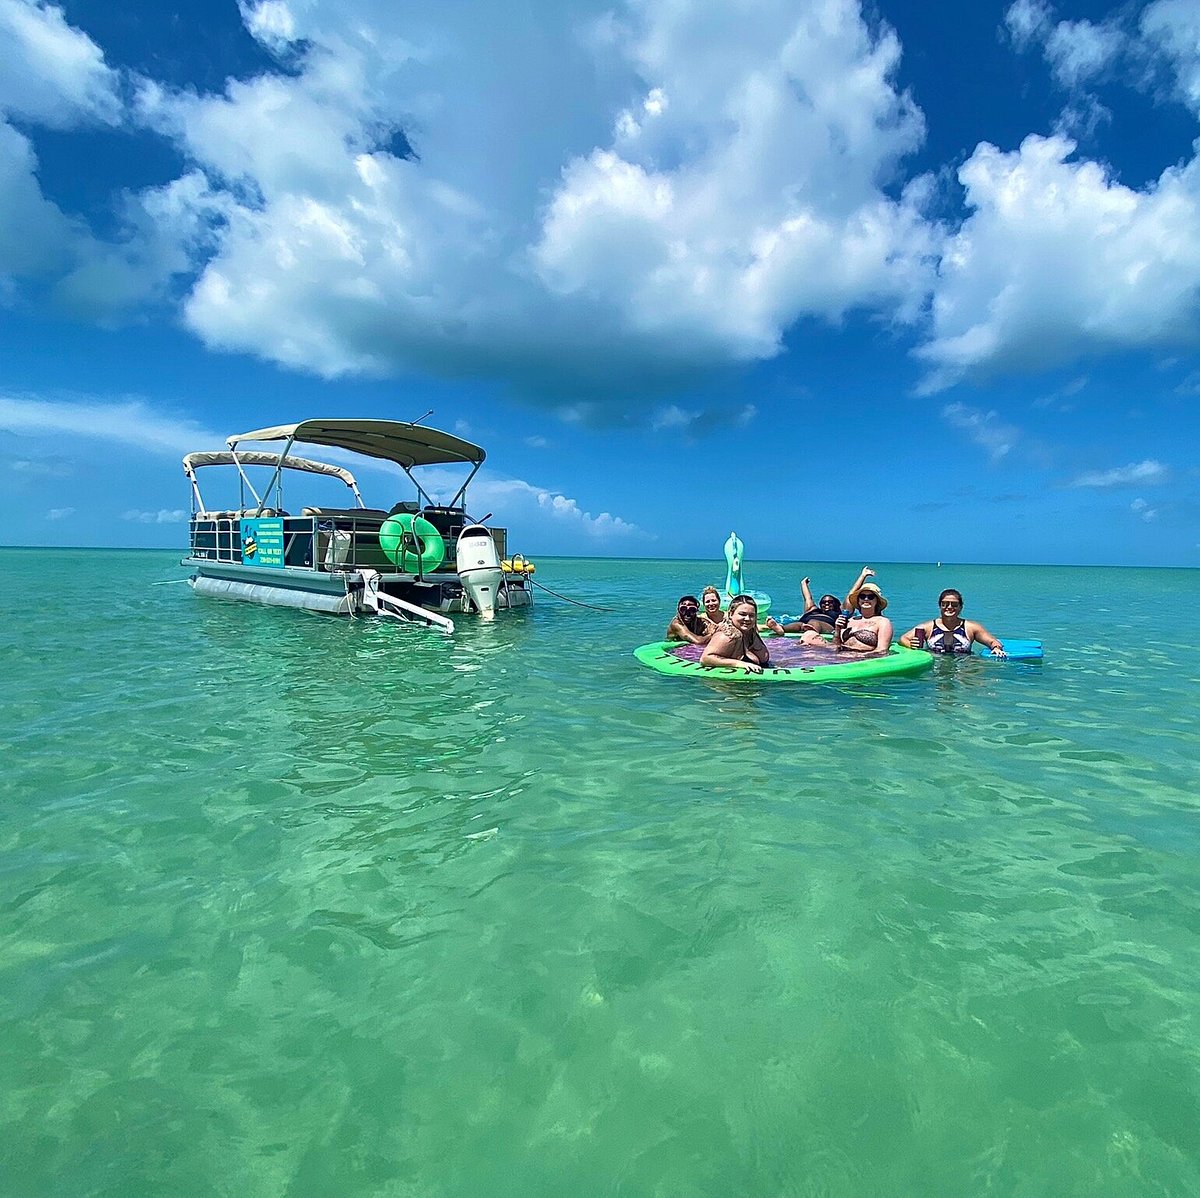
[36, 237]
[1079, 50]
[985, 429]
[701, 187]
[1141, 508]
[674, 419]
[162, 516]
[52, 73]
[701, 184]
[130, 423]
[527, 507]
[1076, 51]
[60, 513]
[1172, 28]
[1058, 260]
[271, 22]
[1027, 21]
[1136, 473]
[518, 501]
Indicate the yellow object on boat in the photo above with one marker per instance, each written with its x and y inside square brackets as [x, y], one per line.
[517, 565]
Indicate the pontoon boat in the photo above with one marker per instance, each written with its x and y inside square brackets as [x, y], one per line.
[417, 560]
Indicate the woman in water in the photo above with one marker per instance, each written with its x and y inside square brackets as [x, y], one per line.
[711, 598]
[736, 642]
[870, 631]
[950, 633]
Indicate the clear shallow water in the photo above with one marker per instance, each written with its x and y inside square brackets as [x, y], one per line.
[295, 905]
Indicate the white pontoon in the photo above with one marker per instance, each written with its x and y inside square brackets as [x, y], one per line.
[417, 560]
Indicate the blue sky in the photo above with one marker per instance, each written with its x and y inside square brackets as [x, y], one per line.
[898, 281]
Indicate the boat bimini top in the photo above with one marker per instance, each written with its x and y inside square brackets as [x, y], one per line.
[278, 461]
[405, 444]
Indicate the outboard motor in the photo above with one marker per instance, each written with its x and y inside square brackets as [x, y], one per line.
[478, 566]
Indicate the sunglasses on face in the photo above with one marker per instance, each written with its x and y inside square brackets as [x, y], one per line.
[950, 603]
[688, 607]
[868, 597]
[828, 603]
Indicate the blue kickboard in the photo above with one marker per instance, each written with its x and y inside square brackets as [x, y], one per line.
[1016, 650]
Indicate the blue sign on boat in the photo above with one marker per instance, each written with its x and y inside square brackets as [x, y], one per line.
[262, 542]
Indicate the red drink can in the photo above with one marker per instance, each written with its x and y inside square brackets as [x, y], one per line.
[919, 638]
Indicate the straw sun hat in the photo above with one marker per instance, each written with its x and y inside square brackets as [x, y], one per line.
[870, 586]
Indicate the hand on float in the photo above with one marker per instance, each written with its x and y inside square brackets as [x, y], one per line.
[752, 667]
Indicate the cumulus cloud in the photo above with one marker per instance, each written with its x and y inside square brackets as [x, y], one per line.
[523, 505]
[684, 187]
[1135, 474]
[1027, 21]
[513, 496]
[1171, 29]
[708, 184]
[1076, 51]
[1058, 259]
[53, 74]
[984, 429]
[1143, 510]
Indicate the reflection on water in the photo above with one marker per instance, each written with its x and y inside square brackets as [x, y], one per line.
[297, 904]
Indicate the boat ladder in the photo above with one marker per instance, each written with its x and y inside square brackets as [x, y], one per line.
[383, 604]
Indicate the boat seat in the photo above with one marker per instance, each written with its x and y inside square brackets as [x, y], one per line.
[405, 505]
[364, 515]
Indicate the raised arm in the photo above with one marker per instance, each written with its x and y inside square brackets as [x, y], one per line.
[852, 595]
[806, 594]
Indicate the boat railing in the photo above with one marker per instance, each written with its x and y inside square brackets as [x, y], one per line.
[322, 539]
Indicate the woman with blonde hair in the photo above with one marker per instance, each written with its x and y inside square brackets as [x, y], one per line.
[736, 642]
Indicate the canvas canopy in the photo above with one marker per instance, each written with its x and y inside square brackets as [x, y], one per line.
[396, 441]
[257, 458]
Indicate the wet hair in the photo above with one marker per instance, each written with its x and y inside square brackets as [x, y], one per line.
[710, 591]
[950, 591]
[742, 599]
[687, 599]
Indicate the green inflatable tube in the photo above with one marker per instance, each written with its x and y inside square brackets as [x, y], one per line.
[401, 535]
[809, 666]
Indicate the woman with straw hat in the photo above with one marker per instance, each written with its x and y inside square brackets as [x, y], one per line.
[866, 629]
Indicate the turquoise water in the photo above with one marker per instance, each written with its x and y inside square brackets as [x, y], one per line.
[295, 905]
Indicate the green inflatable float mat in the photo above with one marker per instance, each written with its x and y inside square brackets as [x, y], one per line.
[796, 662]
